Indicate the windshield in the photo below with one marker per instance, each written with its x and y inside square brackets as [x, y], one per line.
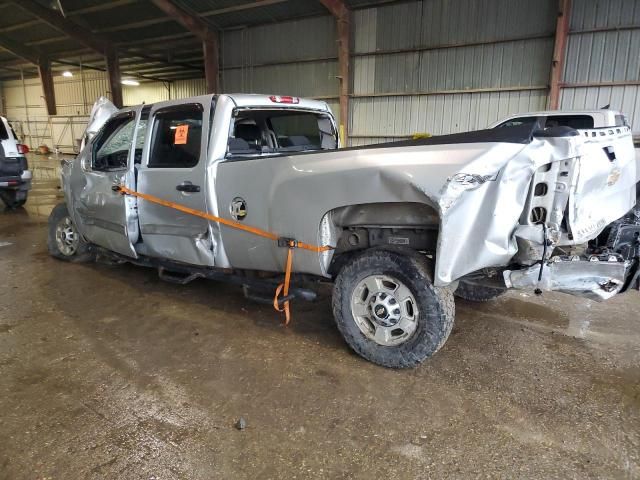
[258, 132]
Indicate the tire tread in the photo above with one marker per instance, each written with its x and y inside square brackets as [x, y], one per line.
[415, 267]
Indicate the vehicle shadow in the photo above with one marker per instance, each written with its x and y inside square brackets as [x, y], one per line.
[17, 211]
[308, 318]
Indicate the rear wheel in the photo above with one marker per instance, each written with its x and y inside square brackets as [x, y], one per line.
[477, 293]
[14, 198]
[388, 311]
[64, 240]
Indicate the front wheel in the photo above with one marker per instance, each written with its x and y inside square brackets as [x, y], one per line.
[14, 198]
[388, 311]
[64, 241]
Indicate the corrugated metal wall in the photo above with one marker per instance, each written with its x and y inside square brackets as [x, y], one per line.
[74, 98]
[603, 57]
[436, 66]
[291, 58]
[448, 65]
[151, 92]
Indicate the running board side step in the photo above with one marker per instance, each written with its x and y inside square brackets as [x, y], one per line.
[177, 277]
[256, 289]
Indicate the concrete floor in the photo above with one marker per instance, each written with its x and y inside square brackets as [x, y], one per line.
[107, 372]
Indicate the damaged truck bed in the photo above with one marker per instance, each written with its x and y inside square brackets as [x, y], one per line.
[404, 225]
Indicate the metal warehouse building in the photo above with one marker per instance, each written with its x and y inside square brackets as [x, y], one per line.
[319, 239]
[437, 66]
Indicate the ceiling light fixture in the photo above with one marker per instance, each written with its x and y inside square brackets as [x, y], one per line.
[131, 83]
[67, 73]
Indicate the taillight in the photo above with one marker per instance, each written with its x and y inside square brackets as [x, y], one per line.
[23, 149]
[284, 99]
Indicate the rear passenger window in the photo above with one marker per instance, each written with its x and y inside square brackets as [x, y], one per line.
[579, 122]
[177, 135]
[297, 130]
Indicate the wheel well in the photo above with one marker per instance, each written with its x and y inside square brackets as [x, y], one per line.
[407, 225]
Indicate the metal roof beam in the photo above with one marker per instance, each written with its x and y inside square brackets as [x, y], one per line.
[31, 55]
[207, 13]
[79, 11]
[204, 32]
[82, 35]
[44, 69]
[64, 25]
[94, 41]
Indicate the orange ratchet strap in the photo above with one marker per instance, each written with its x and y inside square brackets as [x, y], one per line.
[289, 243]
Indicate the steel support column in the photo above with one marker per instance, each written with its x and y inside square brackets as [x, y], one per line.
[211, 62]
[559, 53]
[44, 69]
[46, 78]
[115, 79]
[343, 18]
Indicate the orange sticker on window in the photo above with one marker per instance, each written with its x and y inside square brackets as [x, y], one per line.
[182, 131]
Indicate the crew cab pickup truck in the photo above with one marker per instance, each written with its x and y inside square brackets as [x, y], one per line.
[183, 186]
[15, 177]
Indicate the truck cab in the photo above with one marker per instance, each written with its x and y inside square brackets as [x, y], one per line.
[189, 153]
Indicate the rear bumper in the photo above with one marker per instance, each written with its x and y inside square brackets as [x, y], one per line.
[596, 280]
[21, 182]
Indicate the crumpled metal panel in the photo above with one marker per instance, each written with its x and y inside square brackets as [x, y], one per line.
[478, 219]
[594, 280]
[479, 190]
[102, 110]
[604, 189]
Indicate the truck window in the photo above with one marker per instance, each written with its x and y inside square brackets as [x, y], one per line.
[111, 149]
[15, 136]
[621, 121]
[516, 122]
[256, 132]
[296, 130]
[177, 135]
[579, 122]
[140, 137]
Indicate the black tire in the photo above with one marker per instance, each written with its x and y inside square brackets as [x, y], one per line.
[477, 293]
[13, 198]
[82, 251]
[435, 307]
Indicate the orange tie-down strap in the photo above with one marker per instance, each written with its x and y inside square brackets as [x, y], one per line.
[291, 244]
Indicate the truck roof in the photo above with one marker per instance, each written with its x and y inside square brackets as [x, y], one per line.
[601, 117]
[279, 101]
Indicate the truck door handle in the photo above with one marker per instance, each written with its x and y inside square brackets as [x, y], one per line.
[188, 187]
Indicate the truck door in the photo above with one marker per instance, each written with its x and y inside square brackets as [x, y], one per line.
[110, 219]
[175, 169]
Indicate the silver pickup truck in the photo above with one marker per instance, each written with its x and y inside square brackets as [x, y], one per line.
[405, 225]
